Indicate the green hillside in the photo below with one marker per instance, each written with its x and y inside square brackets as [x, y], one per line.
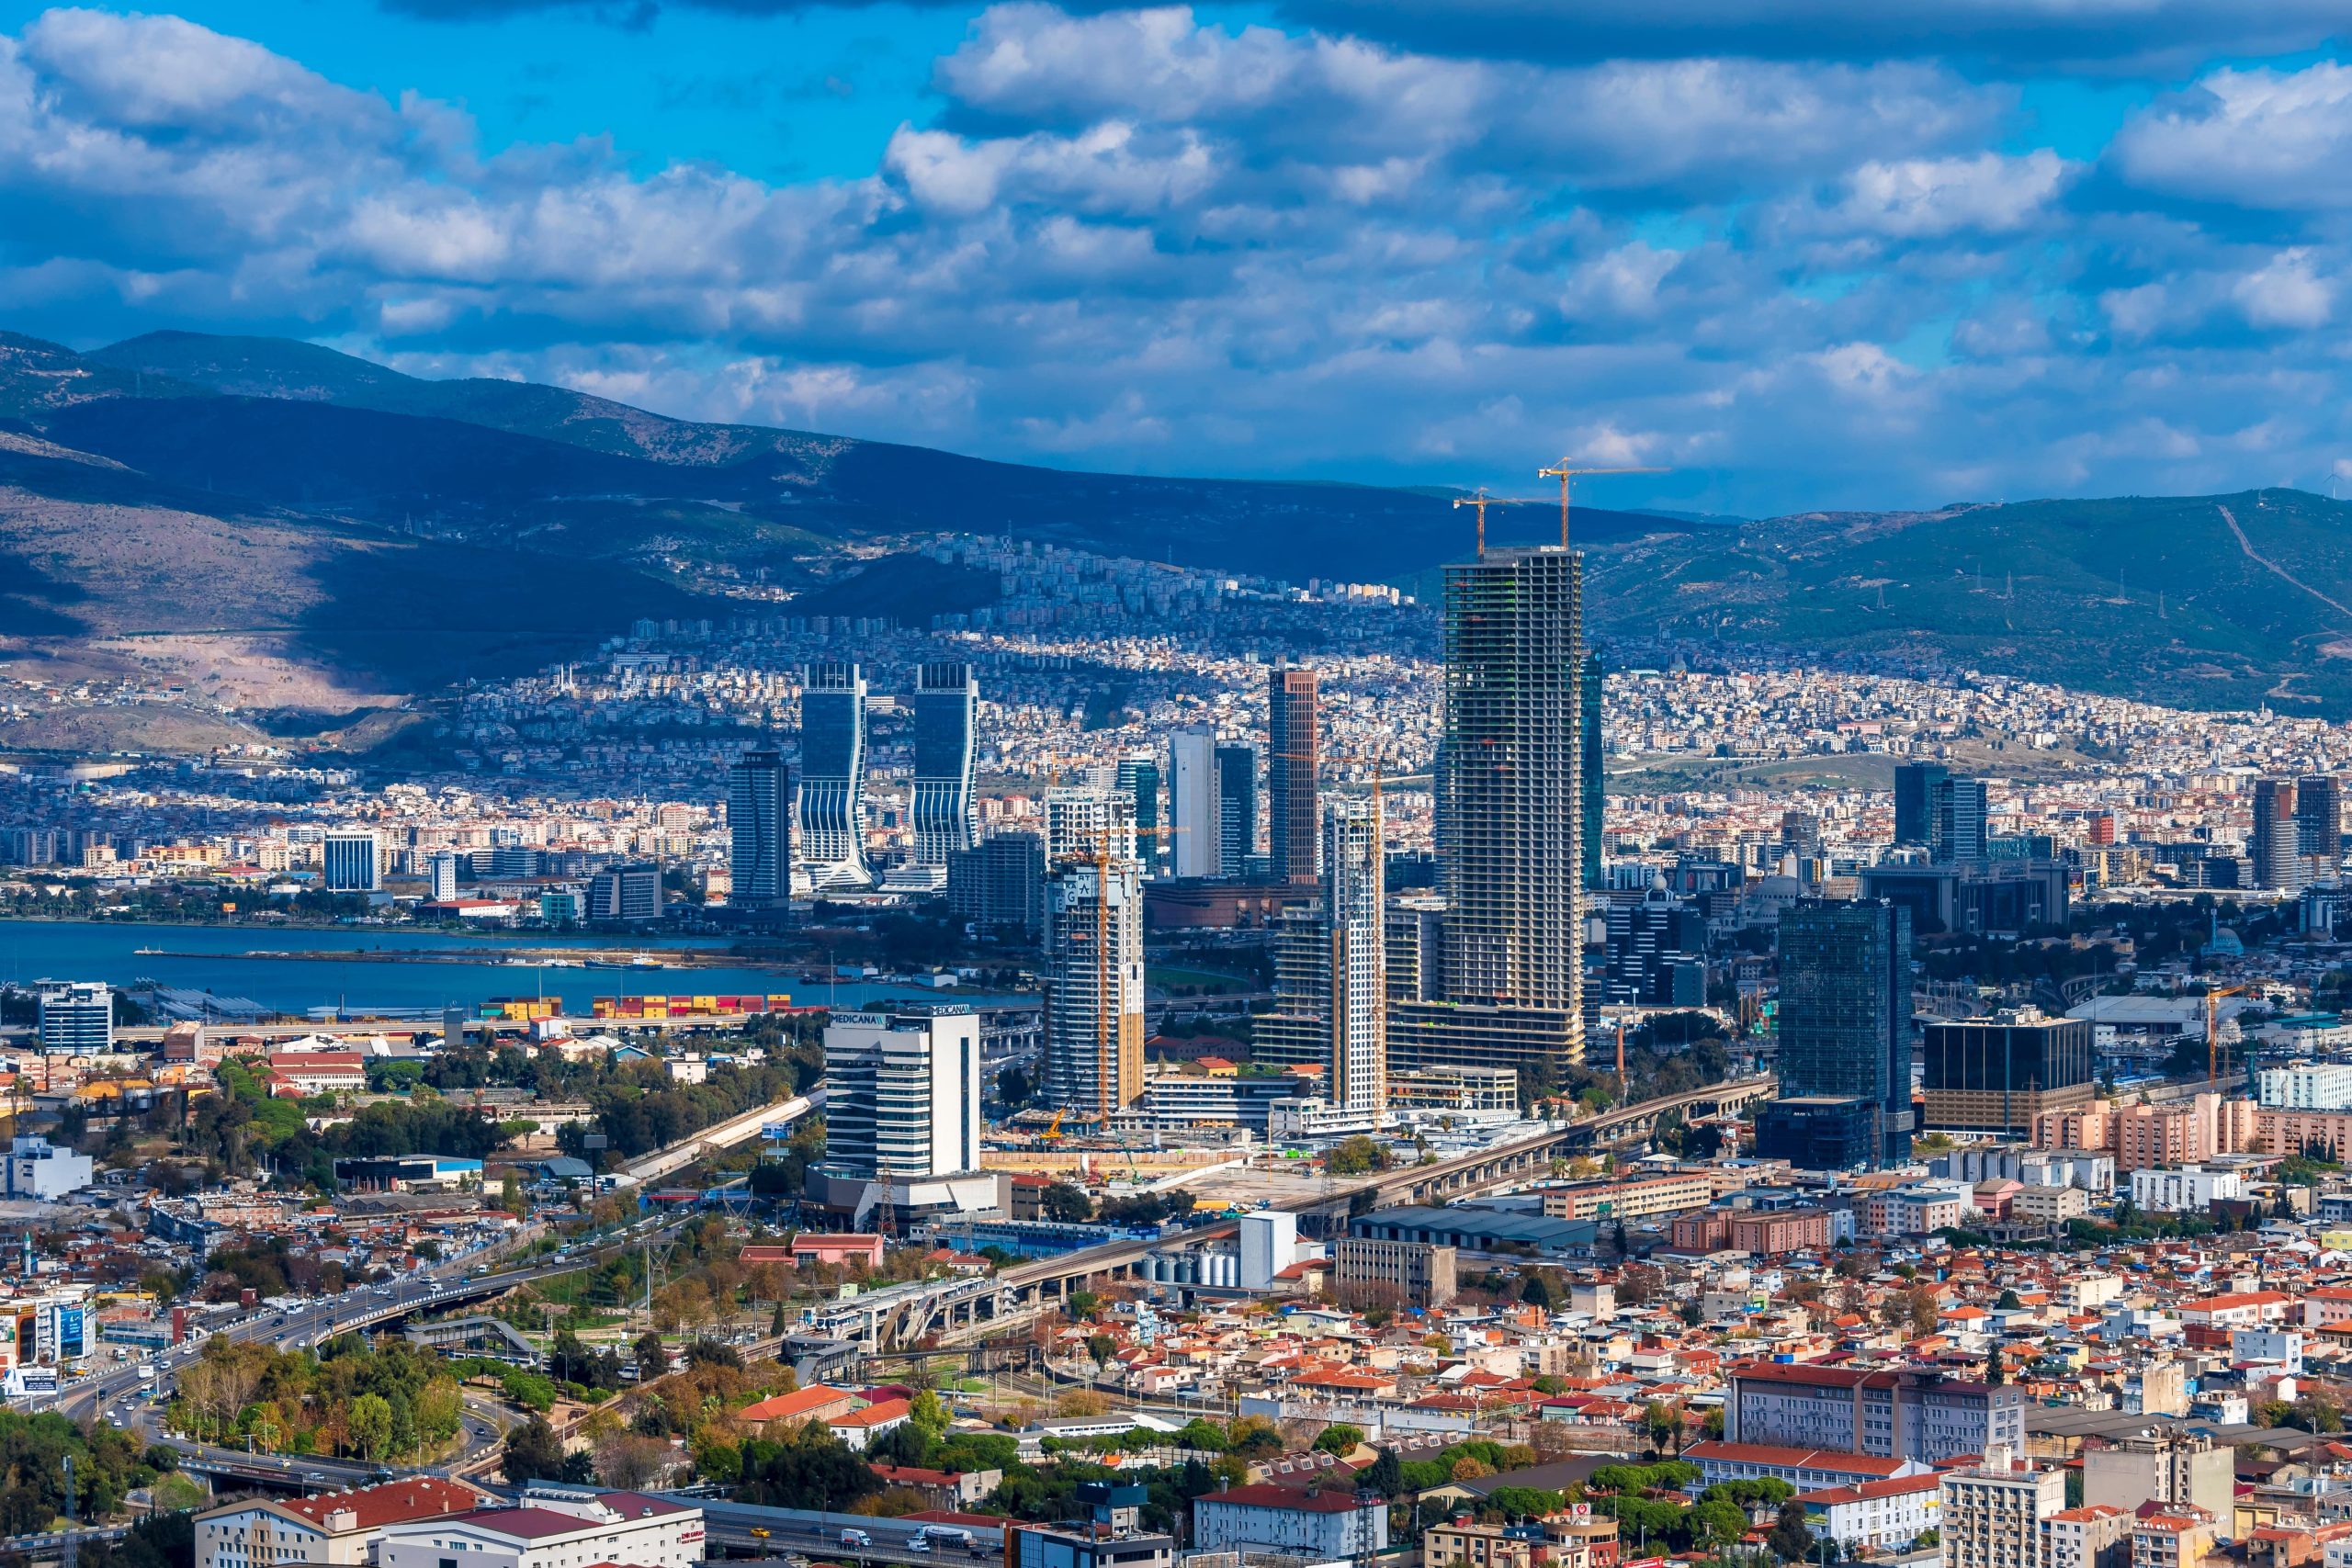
[2153, 597]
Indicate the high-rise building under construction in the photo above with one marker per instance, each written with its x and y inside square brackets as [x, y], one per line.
[1510, 819]
[1092, 961]
[1330, 988]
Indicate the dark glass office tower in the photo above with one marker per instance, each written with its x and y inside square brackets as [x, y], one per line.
[1997, 1074]
[1291, 752]
[832, 775]
[759, 827]
[2276, 836]
[1956, 823]
[1590, 776]
[947, 703]
[1138, 779]
[1845, 1010]
[1237, 809]
[2319, 822]
[1914, 797]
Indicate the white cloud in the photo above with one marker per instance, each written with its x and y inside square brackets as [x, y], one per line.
[1147, 241]
[2259, 138]
[1924, 198]
[2288, 292]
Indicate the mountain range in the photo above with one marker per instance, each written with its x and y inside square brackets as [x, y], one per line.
[308, 534]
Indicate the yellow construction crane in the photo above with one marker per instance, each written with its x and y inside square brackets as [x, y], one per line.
[2216, 1059]
[1054, 1128]
[1481, 500]
[1565, 472]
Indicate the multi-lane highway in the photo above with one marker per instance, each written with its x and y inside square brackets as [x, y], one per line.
[746, 1527]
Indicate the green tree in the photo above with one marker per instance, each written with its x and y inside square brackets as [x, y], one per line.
[371, 1425]
[1340, 1438]
[1358, 1156]
[533, 1453]
[1067, 1204]
[1790, 1540]
[1385, 1476]
[652, 1356]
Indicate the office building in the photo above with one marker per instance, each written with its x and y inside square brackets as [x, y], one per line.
[902, 1091]
[1510, 859]
[351, 861]
[998, 884]
[947, 705]
[1997, 1074]
[1907, 1412]
[1192, 802]
[1291, 754]
[1845, 1010]
[1269, 1245]
[2319, 824]
[441, 876]
[76, 1020]
[1915, 800]
[627, 895]
[759, 830]
[1093, 969]
[2274, 848]
[1330, 992]
[1993, 1513]
[1655, 951]
[1138, 779]
[1591, 771]
[832, 776]
[1400, 1273]
[1237, 809]
[1983, 897]
[1956, 826]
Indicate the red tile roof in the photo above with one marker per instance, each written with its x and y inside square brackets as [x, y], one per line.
[418, 1497]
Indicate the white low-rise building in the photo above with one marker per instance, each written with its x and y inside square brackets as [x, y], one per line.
[1876, 1515]
[1319, 1524]
[2305, 1086]
[553, 1527]
[2190, 1189]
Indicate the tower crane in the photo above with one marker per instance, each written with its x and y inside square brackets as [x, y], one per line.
[2216, 1057]
[1565, 472]
[1481, 500]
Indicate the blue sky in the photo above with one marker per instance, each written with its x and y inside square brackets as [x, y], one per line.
[1807, 252]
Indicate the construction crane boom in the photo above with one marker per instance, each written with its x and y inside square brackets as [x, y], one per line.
[1565, 472]
[1481, 500]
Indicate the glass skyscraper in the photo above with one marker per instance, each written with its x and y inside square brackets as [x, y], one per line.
[1237, 809]
[946, 714]
[759, 828]
[1845, 1010]
[832, 775]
